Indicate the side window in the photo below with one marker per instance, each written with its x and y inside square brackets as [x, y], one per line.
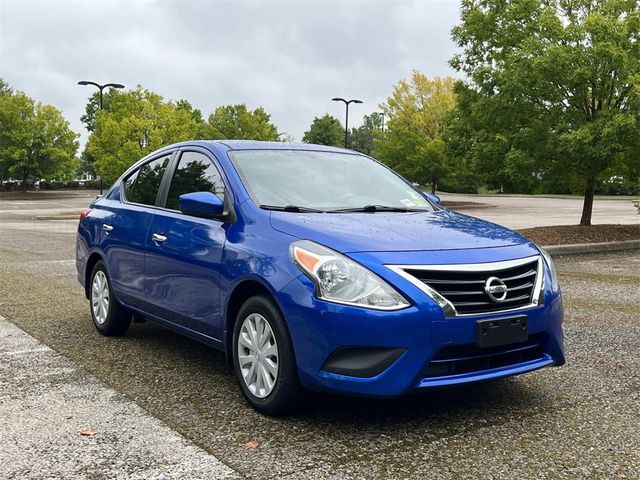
[195, 173]
[129, 183]
[148, 181]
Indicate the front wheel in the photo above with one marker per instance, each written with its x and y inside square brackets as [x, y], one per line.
[109, 317]
[263, 357]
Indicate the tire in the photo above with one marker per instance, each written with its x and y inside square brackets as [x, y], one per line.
[109, 317]
[280, 398]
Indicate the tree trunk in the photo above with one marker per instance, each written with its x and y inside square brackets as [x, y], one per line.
[587, 206]
[433, 185]
[25, 177]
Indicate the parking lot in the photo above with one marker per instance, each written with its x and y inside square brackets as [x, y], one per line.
[578, 421]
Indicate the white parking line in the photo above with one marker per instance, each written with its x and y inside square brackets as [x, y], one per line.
[27, 350]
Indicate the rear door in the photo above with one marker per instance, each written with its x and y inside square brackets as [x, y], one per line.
[125, 227]
[184, 252]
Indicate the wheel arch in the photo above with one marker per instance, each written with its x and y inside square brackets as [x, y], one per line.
[94, 258]
[242, 292]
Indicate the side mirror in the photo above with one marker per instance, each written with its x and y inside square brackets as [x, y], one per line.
[201, 204]
[433, 197]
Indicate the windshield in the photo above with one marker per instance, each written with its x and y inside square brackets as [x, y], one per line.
[326, 181]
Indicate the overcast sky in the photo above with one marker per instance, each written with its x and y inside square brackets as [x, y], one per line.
[291, 57]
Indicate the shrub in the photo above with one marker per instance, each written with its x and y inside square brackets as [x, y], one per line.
[51, 185]
[457, 188]
[93, 184]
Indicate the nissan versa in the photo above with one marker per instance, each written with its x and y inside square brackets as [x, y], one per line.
[316, 267]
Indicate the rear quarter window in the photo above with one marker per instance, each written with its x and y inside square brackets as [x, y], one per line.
[142, 186]
[129, 184]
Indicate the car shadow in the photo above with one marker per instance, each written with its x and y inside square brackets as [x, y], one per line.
[511, 397]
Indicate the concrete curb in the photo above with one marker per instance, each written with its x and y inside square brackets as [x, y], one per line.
[453, 205]
[578, 248]
[46, 401]
[72, 216]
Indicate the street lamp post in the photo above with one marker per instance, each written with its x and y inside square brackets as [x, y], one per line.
[346, 120]
[382, 115]
[100, 88]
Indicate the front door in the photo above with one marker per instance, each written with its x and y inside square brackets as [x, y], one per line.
[183, 254]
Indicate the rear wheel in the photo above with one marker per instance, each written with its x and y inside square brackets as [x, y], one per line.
[263, 357]
[109, 317]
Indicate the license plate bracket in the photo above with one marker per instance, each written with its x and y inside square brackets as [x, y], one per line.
[502, 331]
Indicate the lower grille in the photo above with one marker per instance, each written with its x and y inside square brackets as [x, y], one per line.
[459, 359]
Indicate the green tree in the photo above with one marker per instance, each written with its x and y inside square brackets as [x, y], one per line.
[552, 89]
[86, 163]
[325, 130]
[417, 113]
[5, 88]
[93, 106]
[88, 119]
[195, 113]
[238, 122]
[136, 123]
[361, 138]
[285, 137]
[432, 162]
[35, 140]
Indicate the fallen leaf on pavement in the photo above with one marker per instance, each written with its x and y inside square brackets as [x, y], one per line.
[251, 444]
[88, 432]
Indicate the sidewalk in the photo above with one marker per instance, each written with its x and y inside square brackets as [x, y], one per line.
[46, 401]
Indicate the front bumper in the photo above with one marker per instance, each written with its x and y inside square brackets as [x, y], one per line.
[417, 334]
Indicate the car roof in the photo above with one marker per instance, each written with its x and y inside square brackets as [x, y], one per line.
[261, 145]
[217, 146]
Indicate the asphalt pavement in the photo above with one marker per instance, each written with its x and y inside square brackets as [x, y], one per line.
[526, 211]
[577, 421]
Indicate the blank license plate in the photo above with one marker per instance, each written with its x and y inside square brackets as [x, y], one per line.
[501, 331]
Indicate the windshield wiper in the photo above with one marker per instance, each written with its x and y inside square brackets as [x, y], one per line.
[376, 208]
[292, 208]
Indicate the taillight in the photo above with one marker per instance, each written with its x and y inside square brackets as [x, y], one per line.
[85, 213]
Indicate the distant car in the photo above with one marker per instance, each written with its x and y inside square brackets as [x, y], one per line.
[316, 267]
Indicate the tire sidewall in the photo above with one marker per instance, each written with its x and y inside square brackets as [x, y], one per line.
[287, 382]
[105, 327]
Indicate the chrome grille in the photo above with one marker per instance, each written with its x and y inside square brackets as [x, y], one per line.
[460, 289]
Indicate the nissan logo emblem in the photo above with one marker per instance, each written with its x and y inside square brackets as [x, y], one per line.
[496, 289]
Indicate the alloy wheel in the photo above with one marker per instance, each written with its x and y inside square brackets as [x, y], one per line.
[100, 297]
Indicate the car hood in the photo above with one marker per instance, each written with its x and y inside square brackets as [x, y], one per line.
[395, 231]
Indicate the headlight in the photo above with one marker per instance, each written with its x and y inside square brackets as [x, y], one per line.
[341, 280]
[553, 281]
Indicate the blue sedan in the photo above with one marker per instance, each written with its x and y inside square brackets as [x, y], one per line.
[315, 268]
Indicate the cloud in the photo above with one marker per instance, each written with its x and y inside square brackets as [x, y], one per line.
[291, 57]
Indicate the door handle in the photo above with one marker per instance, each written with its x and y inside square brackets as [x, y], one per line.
[156, 237]
[107, 228]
